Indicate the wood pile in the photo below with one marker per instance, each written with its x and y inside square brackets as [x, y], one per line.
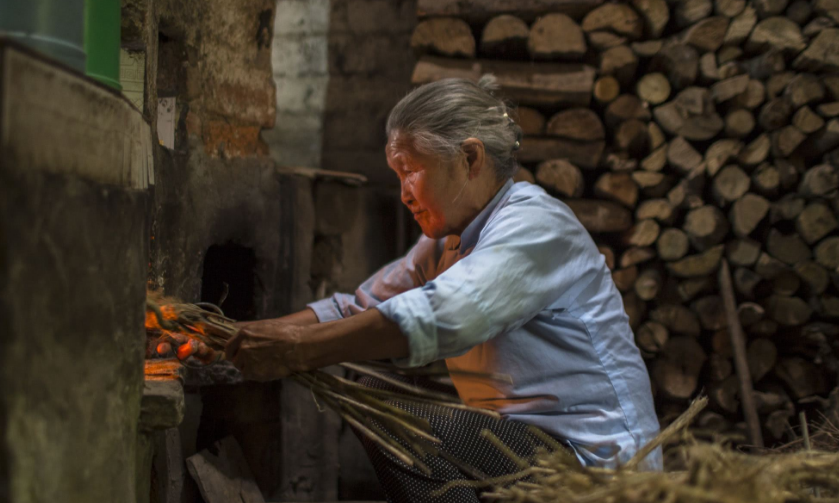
[682, 133]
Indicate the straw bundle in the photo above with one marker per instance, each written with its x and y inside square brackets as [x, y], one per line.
[171, 322]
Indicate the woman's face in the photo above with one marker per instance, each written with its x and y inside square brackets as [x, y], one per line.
[430, 187]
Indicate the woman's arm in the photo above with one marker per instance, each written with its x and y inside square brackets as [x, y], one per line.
[270, 351]
[303, 318]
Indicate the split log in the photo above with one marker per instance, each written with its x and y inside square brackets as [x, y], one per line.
[601, 216]
[606, 89]
[659, 209]
[505, 36]
[576, 124]
[603, 40]
[672, 244]
[788, 311]
[786, 140]
[787, 208]
[777, 423]
[720, 152]
[652, 184]
[653, 88]
[730, 184]
[676, 371]
[688, 289]
[822, 141]
[778, 33]
[739, 123]
[814, 277]
[443, 36]
[746, 213]
[766, 180]
[774, 114]
[708, 68]
[621, 62]
[677, 318]
[583, 154]
[819, 181]
[617, 18]
[647, 48]
[561, 177]
[706, 227]
[828, 109]
[729, 8]
[741, 26]
[725, 395]
[625, 107]
[721, 344]
[803, 89]
[680, 62]
[711, 312]
[636, 255]
[631, 137]
[815, 222]
[643, 233]
[820, 54]
[656, 160]
[694, 266]
[802, 378]
[727, 89]
[788, 248]
[657, 138]
[619, 161]
[544, 84]
[688, 192]
[530, 120]
[556, 36]
[224, 475]
[768, 8]
[777, 83]
[479, 11]
[648, 284]
[768, 266]
[742, 252]
[655, 13]
[753, 96]
[755, 152]
[688, 12]
[707, 35]
[787, 173]
[765, 65]
[827, 253]
[681, 155]
[719, 368]
[651, 338]
[625, 278]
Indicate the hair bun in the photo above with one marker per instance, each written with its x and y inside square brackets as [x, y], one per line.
[488, 83]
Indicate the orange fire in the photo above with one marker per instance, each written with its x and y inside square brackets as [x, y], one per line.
[184, 339]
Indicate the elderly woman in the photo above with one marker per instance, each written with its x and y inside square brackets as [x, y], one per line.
[505, 280]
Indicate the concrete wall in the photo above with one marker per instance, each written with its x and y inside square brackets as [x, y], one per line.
[339, 67]
[74, 162]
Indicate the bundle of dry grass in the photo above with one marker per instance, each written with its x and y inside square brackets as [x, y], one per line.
[173, 322]
[712, 473]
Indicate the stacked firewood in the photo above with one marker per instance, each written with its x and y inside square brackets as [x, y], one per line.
[683, 133]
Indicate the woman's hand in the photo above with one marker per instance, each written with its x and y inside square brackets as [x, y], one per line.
[266, 350]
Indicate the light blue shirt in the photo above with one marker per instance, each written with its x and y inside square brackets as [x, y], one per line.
[525, 292]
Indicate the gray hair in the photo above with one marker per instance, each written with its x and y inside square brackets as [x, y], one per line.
[439, 116]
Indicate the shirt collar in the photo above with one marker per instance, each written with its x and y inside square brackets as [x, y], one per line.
[469, 236]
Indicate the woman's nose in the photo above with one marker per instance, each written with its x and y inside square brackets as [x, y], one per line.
[407, 196]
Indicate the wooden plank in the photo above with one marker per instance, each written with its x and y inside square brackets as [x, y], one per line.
[480, 11]
[526, 83]
[226, 476]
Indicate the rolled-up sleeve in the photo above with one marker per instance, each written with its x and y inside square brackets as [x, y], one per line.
[397, 277]
[519, 266]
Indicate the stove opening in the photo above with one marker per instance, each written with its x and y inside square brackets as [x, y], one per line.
[229, 278]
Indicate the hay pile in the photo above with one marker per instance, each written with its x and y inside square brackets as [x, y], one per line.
[712, 473]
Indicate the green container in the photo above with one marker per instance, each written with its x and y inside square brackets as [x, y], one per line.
[52, 27]
[102, 40]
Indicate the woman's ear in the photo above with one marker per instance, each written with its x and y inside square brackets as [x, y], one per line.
[475, 155]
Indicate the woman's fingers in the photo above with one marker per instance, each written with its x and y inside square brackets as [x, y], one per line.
[231, 349]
